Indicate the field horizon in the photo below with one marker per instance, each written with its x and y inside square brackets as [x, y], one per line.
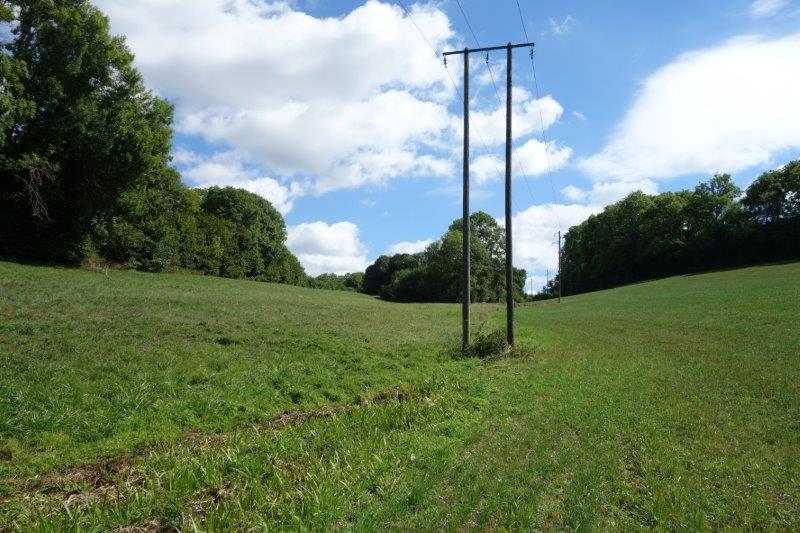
[137, 402]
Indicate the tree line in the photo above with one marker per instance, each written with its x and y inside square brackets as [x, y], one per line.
[715, 225]
[434, 275]
[85, 165]
[85, 173]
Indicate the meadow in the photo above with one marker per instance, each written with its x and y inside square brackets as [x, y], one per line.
[139, 402]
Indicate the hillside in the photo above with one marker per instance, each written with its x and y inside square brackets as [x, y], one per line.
[153, 400]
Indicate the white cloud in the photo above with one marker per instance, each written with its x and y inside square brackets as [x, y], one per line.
[409, 247]
[536, 158]
[576, 194]
[767, 8]
[227, 169]
[533, 158]
[608, 192]
[486, 168]
[535, 231]
[327, 248]
[349, 101]
[726, 108]
[562, 26]
[529, 116]
[580, 116]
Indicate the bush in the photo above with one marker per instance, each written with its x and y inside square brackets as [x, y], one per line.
[489, 346]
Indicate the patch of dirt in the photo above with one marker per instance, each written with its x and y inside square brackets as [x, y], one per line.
[100, 474]
[114, 478]
[209, 497]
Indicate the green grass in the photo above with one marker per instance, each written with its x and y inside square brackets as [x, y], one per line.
[149, 401]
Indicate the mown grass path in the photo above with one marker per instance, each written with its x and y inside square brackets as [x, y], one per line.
[150, 401]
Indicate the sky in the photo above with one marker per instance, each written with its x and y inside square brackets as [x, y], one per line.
[342, 114]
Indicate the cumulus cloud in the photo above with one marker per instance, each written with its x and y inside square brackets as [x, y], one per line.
[328, 248]
[529, 116]
[536, 157]
[607, 192]
[767, 8]
[229, 170]
[532, 158]
[348, 101]
[409, 247]
[535, 231]
[725, 108]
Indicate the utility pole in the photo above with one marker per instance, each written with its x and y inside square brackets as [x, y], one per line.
[509, 244]
[465, 255]
[560, 274]
[465, 219]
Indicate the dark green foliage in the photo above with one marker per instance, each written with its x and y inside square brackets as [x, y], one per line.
[775, 196]
[435, 274]
[334, 282]
[84, 161]
[380, 273]
[284, 268]
[151, 226]
[242, 233]
[644, 237]
[93, 133]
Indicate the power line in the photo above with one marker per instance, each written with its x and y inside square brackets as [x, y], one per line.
[497, 96]
[450, 76]
[537, 93]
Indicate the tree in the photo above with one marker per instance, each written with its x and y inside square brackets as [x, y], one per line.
[435, 274]
[772, 204]
[336, 282]
[151, 226]
[84, 161]
[380, 273]
[243, 233]
[93, 132]
[775, 195]
[14, 108]
[644, 236]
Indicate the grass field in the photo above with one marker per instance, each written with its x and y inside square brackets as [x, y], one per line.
[138, 402]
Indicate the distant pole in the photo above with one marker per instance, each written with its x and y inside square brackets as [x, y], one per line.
[509, 242]
[465, 217]
[560, 273]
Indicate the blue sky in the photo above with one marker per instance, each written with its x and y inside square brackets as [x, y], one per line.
[340, 114]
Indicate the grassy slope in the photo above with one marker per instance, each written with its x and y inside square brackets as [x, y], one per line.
[671, 404]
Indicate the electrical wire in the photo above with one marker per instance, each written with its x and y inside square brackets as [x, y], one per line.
[516, 156]
[537, 93]
[449, 75]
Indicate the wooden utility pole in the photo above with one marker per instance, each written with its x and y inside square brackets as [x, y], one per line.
[465, 298]
[465, 218]
[509, 244]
